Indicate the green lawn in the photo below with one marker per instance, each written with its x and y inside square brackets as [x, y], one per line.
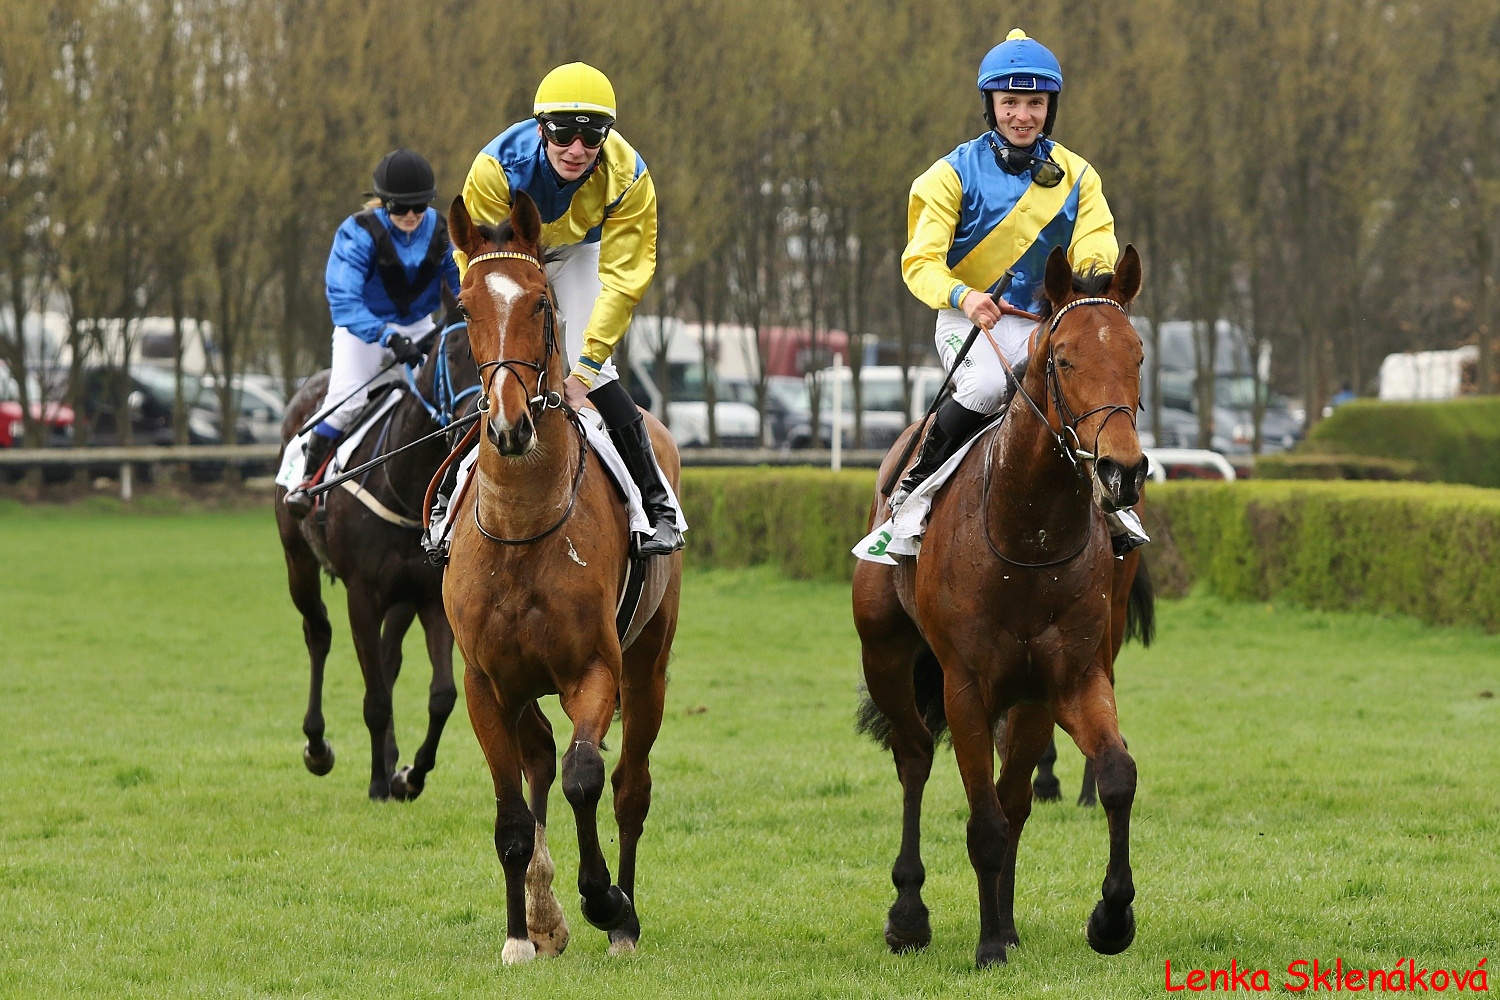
[1311, 785]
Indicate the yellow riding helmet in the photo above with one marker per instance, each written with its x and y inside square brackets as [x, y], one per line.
[575, 87]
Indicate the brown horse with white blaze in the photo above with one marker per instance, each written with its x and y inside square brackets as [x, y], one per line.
[1008, 620]
[538, 559]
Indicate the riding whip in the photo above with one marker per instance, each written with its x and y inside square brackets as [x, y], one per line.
[1001, 287]
[329, 484]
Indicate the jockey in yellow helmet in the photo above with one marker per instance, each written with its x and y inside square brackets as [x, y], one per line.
[598, 208]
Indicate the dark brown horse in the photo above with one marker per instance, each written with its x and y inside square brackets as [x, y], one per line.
[537, 563]
[1005, 623]
[382, 565]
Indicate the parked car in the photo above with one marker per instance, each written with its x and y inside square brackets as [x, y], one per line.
[57, 417]
[737, 423]
[149, 397]
[884, 416]
[1234, 423]
[261, 407]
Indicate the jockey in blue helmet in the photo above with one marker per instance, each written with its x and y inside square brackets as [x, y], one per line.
[1002, 200]
[384, 281]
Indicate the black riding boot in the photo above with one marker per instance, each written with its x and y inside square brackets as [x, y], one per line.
[298, 501]
[627, 428]
[953, 426]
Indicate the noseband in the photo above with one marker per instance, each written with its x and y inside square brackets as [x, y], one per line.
[542, 400]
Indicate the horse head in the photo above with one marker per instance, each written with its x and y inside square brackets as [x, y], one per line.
[511, 322]
[1089, 364]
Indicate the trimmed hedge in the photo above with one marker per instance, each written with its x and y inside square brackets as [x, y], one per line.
[1452, 441]
[1312, 465]
[1427, 550]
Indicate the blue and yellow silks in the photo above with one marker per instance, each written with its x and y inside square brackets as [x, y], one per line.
[614, 205]
[968, 220]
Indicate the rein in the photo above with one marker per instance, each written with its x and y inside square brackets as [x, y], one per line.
[1065, 417]
[539, 403]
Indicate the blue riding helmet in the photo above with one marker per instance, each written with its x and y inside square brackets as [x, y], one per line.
[1020, 63]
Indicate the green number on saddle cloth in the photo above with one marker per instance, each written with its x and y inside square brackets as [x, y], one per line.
[878, 549]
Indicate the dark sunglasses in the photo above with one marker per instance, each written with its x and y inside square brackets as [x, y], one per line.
[396, 209]
[563, 133]
[1044, 172]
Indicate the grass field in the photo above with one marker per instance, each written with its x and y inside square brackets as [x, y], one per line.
[1311, 786]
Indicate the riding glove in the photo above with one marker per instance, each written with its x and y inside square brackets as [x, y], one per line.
[405, 351]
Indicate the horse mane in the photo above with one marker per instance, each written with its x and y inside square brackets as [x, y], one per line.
[1093, 280]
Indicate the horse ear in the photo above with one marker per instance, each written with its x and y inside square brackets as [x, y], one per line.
[1058, 283]
[526, 220]
[461, 229]
[1127, 282]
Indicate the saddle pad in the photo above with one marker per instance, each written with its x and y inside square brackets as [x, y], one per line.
[293, 471]
[645, 586]
[902, 535]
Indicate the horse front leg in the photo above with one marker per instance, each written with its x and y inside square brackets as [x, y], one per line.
[545, 923]
[1089, 716]
[409, 781]
[590, 703]
[364, 628]
[1028, 736]
[643, 697]
[988, 833]
[515, 826]
[398, 619]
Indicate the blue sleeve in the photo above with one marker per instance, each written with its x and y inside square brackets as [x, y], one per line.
[350, 264]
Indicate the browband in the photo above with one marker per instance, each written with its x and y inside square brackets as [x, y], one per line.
[508, 254]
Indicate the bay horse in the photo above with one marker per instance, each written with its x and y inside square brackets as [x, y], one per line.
[1005, 623]
[537, 561]
[379, 558]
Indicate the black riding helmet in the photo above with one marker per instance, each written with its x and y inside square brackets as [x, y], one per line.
[404, 177]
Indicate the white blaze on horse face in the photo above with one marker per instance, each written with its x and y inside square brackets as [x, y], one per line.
[504, 291]
[1104, 334]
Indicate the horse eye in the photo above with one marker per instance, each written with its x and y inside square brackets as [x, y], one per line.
[1064, 363]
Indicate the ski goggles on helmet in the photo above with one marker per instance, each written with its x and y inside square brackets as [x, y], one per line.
[562, 129]
[1044, 172]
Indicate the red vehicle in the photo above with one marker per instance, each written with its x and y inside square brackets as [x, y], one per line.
[58, 417]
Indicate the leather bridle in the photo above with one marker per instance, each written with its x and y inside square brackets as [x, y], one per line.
[542, 399]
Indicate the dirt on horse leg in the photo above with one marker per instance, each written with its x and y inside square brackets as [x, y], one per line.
[307, 594]
[1090, 718]
[545, 924]
[408, 782]
[643, 694]
[1045, 786]
[590, 703]
[1028, 735]
[398, 619]
[364, 628]
[515, 827]
[974, 747]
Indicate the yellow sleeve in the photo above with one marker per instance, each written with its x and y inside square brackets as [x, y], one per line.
[1094, 232]
[486, 196]
[931, 218]
[627, 262]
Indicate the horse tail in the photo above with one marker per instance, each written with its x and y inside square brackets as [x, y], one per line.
[1140, 607]
[927, 681]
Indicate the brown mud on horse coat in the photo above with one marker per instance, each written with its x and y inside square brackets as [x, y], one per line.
[537, 560]
[1009, 619]
[389, 580]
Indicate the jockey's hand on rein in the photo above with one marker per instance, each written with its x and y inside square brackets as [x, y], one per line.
[980, 308]
[575, 393]
[405, 351]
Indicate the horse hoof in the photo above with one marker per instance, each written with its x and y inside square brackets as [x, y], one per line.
[319, 764]
[380, 791]
[990, 953]
[608, 910]
[1047, 789]
[1087, 801]
[903, 935]
[551, 943]
[517, 950]
[406, 785]
[621, 943]
[1107, 939]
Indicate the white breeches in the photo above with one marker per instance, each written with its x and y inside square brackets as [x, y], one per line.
[355, 363]
[980, 382]
[574, 276]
